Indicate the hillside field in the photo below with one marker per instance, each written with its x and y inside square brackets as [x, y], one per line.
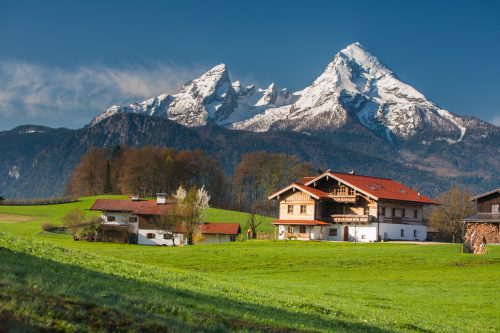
[50, 282]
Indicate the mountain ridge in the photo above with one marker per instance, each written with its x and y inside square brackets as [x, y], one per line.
[356, 115]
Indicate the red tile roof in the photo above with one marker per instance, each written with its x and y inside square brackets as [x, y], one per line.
[301, 222]
[381, 188]
[221, 228]
[312, 190]
[305, 179]
[141, 207]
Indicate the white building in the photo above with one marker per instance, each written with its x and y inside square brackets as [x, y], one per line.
[136, 221]
[348, 207]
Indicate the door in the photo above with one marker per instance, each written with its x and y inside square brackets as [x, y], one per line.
[346, 233]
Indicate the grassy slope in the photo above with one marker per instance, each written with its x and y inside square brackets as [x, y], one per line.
[252, 285]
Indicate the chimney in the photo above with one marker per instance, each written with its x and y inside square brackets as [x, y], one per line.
[135, 197]
[161, 198]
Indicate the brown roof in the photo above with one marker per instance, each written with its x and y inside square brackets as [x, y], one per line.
[141, 207]
[380, 188]
[221, 228]
[301, 222]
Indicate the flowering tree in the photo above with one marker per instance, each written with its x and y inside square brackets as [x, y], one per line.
[190, 210]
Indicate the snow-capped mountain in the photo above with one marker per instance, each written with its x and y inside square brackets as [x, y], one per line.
[355, 88]
[358, 86]
[210, 98]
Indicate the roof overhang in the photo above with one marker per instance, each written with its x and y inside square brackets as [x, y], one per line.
[329, 174]
[295, 187]
[474, 198]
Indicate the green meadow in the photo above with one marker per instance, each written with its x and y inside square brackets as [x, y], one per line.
[50, 282]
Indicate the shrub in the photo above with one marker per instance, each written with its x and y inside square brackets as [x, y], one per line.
[47, 226]
[73, 220]
[89, 231]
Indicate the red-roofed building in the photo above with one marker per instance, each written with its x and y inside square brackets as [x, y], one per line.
[137, 221]
[350, 207]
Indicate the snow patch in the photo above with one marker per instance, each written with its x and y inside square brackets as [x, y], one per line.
[14, 172]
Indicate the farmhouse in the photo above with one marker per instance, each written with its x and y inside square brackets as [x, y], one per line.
[137, 221]
[348, 207]
[484, 226]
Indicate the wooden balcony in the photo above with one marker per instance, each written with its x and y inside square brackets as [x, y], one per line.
[343, 218]
[343, 198]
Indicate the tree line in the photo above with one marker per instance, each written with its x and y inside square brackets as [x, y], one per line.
[150, 170]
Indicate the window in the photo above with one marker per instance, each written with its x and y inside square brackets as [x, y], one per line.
[403, 214]
[290, 229]
[150, 235]
[132, 219]
[402, 232]
[383, 211]
[363, 236]
[415, 213]
[168, 236]
[302, 229]
[290, 209]
[495, 208]
[111, 219]
[415, 233]
[332, 232]
[393, 212]
[302, 209]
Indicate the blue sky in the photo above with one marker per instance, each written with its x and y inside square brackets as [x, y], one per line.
[62, 62]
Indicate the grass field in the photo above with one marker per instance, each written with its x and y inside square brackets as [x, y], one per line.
[50, 281]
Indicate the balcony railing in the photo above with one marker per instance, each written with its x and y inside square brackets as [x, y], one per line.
[343, 218]
[348, 198]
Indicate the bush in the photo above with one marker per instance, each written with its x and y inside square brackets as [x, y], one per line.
[89, 231]
[241, 238]
[47, 226]
[73, 220]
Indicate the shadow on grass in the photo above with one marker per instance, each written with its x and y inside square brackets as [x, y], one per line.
[38, 294]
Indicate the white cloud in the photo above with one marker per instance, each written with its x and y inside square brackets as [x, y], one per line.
[496, 120]
[71, 97]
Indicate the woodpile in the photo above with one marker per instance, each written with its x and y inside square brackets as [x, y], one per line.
[477, 235]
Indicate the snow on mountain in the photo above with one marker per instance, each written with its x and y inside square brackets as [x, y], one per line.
[356, 85]
[355, 88]
[210, 98]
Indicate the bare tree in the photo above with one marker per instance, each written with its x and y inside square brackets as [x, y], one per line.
[455, 206]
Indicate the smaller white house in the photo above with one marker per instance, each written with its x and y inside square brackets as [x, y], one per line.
[136, 221]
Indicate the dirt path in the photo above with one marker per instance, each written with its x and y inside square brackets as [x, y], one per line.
[11, 218]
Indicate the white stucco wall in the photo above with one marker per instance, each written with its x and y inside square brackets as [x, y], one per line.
[158, 240]
[393, 231]
[121, 219]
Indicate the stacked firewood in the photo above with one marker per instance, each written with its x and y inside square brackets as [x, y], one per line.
[479, 234]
